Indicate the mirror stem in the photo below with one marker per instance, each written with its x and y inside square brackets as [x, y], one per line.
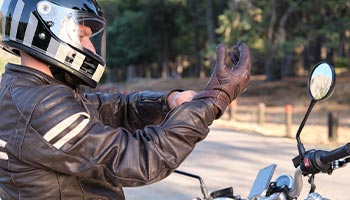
[301, 148]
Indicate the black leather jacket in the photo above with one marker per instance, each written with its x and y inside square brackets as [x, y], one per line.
[56, 143]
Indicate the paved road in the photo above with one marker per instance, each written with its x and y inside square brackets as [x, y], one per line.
[228, 158]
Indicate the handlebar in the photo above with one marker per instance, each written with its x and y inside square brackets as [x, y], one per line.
[316, 161]
[335, 154]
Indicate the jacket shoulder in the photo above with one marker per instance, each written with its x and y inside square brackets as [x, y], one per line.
[27, 96]
[45, 104]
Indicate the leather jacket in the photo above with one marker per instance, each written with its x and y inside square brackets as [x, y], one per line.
[56, 143]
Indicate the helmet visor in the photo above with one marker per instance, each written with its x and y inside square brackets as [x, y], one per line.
[79, 29]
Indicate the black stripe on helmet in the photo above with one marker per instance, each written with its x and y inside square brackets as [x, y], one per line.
[41, 38]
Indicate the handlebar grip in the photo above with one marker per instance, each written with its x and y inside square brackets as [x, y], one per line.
[335, 154]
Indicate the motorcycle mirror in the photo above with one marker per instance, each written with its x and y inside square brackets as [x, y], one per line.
[321, 84]
[321, 81]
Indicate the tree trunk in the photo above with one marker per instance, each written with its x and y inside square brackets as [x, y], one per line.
[131, 73]
[269, 71]
[347, 50]
[317, 50]
[165, 63]
[210, 21]
[165, 46]
[276, 38]
[298, 63]
[287, 69]
[210, 32]
[306, 60]
[148, 72]
[195, 22]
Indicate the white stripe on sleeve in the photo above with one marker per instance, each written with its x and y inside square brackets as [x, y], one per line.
[71, 134]
[56, 130]
[4, 156]
[2, 143]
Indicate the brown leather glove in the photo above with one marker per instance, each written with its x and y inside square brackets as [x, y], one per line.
[230, 78]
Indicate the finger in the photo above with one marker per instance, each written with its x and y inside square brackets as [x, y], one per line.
[220, 56]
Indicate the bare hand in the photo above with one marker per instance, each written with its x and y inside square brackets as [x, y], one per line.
[177, 98]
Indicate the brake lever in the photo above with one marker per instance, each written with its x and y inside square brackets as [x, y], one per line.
[340, 163]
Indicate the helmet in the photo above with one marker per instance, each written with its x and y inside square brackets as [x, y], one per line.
[68, 35]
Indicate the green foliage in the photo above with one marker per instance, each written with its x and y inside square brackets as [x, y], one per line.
[278, 28]
[241, 24]
[143, 32]
[341, 62]
[279, 32]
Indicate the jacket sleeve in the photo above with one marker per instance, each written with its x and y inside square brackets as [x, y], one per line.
[132, 111]
[72, 141]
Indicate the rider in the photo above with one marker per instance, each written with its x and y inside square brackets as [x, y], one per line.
[57, 143]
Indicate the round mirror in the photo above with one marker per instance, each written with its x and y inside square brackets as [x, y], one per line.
[321, 81]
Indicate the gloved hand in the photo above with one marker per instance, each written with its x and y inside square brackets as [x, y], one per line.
[230, 78]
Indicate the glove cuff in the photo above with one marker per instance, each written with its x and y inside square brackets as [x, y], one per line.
[215, 98]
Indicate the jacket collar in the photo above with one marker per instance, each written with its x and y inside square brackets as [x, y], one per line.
[40, 76]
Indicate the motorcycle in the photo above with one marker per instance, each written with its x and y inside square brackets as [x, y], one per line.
[308, 163]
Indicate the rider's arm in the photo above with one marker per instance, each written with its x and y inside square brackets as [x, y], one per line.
[70, 139]
[131, 111]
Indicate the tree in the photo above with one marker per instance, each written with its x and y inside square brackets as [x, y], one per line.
[285, 36]
[160, 38]
[143, 33]
[243, 21]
